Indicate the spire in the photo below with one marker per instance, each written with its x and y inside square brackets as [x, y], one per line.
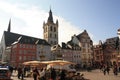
[9, 26]
[50, 18]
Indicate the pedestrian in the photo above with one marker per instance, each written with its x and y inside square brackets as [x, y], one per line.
[22, 74]
[15, 69]
[42, 74]
[35, 73]
[53, 74]
[62, 75]
[108, 70]
[100, 67]
[115, 70]
[11, 69]
[19, 72]
[24, 71]
[119, 69]
[104, 69]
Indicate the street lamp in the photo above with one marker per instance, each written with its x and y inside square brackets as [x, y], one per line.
[118, 33]
[118, 46]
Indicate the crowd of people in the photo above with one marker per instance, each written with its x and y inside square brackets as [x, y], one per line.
[56, 74]
[48, 74]
[106, 69]
[59, 74]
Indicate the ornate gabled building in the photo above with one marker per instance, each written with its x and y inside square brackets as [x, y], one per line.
[106, 53]
[79, 49]
[50, 30]
[110, 53]
[98, 55]
[86, 45]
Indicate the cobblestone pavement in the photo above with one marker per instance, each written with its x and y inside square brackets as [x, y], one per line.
[93, 75]
[98, 75]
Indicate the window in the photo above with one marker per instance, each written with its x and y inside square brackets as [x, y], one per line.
[23, 46]
[28, 57]
[33, 47]
[24, 57]
[20, 57]
[54, 42]
[83, 44]
[20, 45]
[38, 52]
[50, 35]
[55, 35]
[50, 28]
[84, 50]
[20, 52]
[25, 52]
[54, 29]
[51, 42]
[30, 46]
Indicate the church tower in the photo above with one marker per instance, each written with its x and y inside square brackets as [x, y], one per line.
[50, 30]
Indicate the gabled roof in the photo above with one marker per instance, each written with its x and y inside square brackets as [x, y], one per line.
[11, 38]
[82, 35]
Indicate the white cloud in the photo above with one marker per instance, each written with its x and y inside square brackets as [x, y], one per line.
[66, 30]
[29, 21]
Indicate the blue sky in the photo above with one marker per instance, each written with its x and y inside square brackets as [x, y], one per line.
[101, 18]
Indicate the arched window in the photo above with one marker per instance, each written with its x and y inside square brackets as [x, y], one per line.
[54, 29]
[50, 35]
[50, 28]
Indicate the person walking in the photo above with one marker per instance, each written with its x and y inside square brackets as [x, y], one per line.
[108, 69]
[19, 72]
[42, 74]
[115, 70]
[104, 69]
[53, 74]
[35, 73]
[62, 75]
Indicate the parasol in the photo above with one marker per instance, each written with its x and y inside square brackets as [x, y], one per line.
[33, 63]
